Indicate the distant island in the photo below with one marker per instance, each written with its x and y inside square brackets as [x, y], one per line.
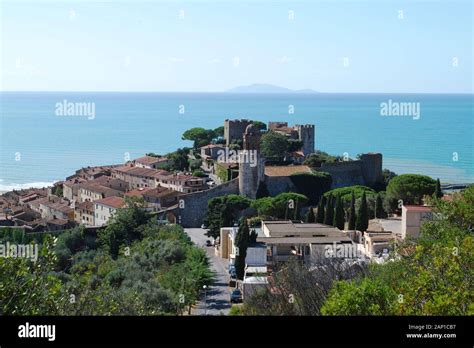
[267, 88]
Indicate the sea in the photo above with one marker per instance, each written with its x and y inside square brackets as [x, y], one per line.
[41, 142]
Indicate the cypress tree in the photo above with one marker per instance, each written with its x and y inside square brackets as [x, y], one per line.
[329, 213]
[320, 212]
[241, 242]
[438, 192]
[362, 220]
[310, 216]
[339, 214]
[352, 213]
[379, 212]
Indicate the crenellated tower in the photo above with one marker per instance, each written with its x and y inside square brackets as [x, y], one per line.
[251, 163]
[306, 133]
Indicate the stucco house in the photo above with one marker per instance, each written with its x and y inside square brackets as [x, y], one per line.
[105, 208]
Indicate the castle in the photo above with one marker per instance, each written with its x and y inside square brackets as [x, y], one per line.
[234, 131]
[365, 171]
[250, 175]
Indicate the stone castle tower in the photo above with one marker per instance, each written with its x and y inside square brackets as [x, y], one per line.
[234, 130]
[306, 135]
[251, 163]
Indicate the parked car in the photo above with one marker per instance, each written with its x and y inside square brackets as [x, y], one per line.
[231, 268]
[208, 243]
[236, 296]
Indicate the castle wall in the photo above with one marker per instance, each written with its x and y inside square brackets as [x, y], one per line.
[275, 125]
[279, 184]
[306, 133]
[195, 204]
[250, 177]
[372, 168]
[346, 173]
[234, 129]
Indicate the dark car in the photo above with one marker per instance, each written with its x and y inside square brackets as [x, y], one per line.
[208, 243]
[236, 296]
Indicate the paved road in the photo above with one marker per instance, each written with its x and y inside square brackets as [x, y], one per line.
[218, 294]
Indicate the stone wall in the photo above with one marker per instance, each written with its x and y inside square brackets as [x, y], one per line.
[372, 168]
[366, 171]
[306, 135]
[279, 184]
[347, 173]
[195, 204]
[234, 129]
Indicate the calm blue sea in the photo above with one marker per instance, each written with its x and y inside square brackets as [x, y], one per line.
[37, 146]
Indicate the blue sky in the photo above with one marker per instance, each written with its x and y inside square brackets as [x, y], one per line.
[328, 46]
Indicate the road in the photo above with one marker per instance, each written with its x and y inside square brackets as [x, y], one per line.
[217, 296]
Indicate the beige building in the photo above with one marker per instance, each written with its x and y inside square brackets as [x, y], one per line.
[105, 208]
[211, 151]
[307, 242]
[182, 182]
[84, 213]
[55, 209]
[151, 162]
[157, 198]
[113, 183]
[412, 219]
[71, 188]
[90, 192]
[378, 243]
[138, 177]
[256, 254]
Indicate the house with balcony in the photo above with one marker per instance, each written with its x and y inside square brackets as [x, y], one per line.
[180, 182]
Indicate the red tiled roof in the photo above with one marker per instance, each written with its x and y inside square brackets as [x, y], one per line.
[91, 186]
[137, 171]
[85, 205]
[150, 192]
[114, 202]
[420, 208]
[150, 159]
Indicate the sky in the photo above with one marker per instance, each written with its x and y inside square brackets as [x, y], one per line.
[370, 46]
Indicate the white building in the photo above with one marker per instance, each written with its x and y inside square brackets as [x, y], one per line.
[307, 242]
[412, 219]
[105, 208]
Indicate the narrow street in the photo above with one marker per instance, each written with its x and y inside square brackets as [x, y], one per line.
[215, 300]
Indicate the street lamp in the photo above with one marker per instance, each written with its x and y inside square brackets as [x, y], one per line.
[205, 299]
